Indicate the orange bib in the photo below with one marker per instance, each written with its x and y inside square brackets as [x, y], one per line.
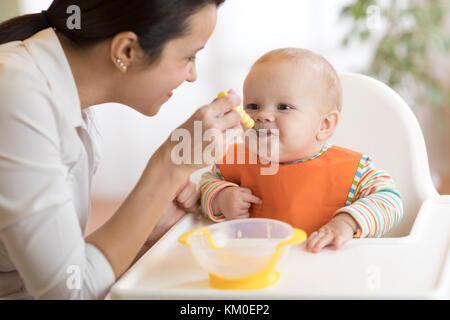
[304, 194]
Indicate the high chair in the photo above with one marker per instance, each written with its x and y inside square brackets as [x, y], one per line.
[375, 120]
[412, 261]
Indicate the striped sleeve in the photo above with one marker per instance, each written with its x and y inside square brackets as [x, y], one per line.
[373, 201]
[210, 184]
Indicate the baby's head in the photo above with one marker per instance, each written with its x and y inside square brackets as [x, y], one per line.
[297, 92]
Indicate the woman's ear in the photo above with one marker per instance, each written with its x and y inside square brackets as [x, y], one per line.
[124, 49]
[328, 125]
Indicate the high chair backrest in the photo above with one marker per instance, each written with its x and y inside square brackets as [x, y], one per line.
[376, 121]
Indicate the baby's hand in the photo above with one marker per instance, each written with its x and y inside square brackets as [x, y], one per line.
[234, 202]
[337, 232]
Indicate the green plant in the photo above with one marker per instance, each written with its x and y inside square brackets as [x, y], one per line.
[411, 38]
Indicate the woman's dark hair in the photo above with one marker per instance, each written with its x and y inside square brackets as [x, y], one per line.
[155, 22]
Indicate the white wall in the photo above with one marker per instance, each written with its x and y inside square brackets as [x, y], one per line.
[246, 29]
[31, 6]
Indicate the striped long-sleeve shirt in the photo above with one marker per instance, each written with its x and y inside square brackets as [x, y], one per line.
[373, 201]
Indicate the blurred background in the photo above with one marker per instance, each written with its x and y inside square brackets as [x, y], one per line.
[405, 44]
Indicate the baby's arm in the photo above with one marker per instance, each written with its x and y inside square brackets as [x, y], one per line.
[374, 209]
[211, 184]
[222, 199]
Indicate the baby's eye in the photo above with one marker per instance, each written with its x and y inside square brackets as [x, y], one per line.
[284, 107]
[252, 106]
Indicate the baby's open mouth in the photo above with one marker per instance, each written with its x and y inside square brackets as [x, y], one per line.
[263, 132]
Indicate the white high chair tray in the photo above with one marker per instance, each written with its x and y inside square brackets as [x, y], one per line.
[413, 267]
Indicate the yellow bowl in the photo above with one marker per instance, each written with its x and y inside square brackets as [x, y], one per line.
[242, 254]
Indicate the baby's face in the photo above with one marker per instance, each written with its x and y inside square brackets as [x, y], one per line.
[280, 95]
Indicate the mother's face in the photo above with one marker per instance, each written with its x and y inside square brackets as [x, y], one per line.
[148, 89]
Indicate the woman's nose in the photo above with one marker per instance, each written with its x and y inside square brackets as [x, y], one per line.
[192, 73]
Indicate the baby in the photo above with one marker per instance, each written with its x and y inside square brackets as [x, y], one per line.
[332, 193]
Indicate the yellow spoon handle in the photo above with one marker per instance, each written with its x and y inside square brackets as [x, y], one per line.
[245, 118]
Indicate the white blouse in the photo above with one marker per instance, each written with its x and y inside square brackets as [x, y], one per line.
[48, 156]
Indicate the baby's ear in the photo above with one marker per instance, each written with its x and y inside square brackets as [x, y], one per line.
[328, 125]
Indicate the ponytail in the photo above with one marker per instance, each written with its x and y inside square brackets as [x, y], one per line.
[22, 27]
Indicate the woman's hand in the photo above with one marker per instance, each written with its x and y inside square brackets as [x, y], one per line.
[214, 123]
[170, 216]
[186, 200]
[336, 232]
[187, 197]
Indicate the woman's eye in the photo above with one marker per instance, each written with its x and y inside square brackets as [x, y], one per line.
[193, 58]
[284, 107]
[251, 106]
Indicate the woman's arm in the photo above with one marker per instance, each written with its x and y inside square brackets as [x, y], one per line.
[124, 234]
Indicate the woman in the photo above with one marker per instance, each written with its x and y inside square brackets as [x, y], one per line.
[131, 52]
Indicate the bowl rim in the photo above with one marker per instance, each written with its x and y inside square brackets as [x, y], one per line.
[219, 225]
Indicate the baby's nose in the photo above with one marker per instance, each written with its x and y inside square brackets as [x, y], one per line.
[264, 116]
